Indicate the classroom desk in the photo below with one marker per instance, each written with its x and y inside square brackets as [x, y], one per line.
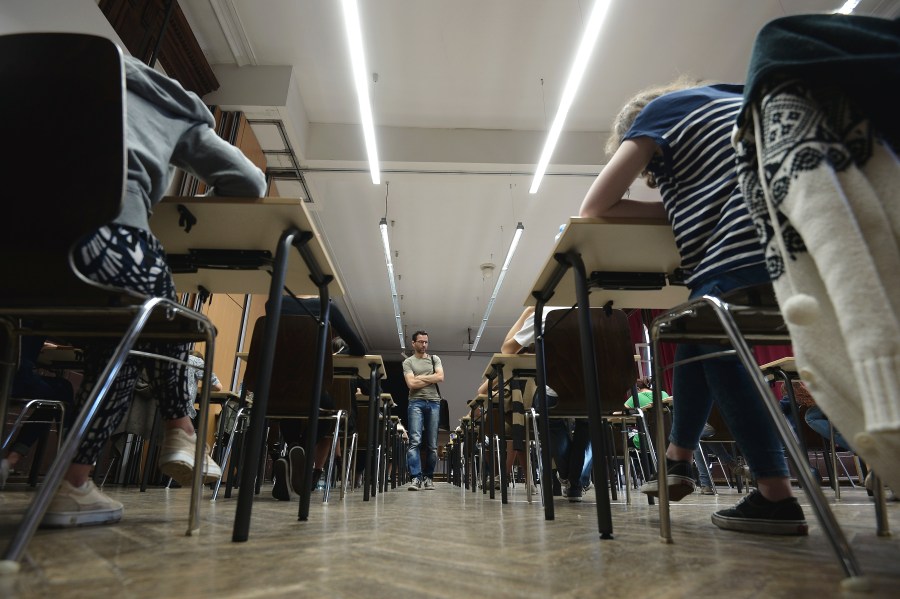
[504, 368]
[384, 432]
[353, 367]
[625, 263]
[477, 438]
[243, 245]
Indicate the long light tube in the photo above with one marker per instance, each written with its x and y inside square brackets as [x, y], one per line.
[390, 270]
[847, 7]
[361, 81]
[509, 256]
[591, 31]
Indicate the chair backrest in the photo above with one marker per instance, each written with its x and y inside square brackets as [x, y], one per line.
[63, 103]
[293, 376]
[616, 369]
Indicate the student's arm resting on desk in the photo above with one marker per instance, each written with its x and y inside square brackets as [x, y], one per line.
[219, 164]
[604, 198]
[345, 331]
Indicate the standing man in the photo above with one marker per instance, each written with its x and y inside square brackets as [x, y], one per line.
[422, 372]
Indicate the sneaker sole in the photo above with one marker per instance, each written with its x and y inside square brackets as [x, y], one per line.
[72, 519]
[183, 473]
[760, 526]
[679, 488]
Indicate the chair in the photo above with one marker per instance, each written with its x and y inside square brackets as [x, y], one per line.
[721, 438]
[293, 382]
[748, 315]
[67, 94]
[616, 371]
[29, 408]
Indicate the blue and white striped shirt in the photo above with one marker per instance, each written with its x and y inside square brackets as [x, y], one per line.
[697, 178]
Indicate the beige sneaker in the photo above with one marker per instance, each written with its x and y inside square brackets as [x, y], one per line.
[176, 459]
[81, 506]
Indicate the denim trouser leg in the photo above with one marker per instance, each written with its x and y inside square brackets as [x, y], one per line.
[581, 439]
[725, 381]
[559, 446]
[588, 463]
[817, 421]
[423, 419]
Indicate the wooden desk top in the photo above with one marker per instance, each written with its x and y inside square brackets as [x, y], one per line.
[616, 245]
[223, 396]
[787, 364]
[240, 224]
[512, 363]
[361, 365]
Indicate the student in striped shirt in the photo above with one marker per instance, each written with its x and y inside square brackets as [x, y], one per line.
[678, 137]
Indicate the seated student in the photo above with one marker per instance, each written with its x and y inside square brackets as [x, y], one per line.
[678, 137]
[195, 375]
[166, 127]
[289, 472]
[28, 384]
[568, 444]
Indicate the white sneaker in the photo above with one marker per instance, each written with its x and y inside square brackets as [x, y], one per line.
[81, 506]
[177, 458]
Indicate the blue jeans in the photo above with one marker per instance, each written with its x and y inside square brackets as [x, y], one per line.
[818, 421]
[571, 452]
[725, 381]
[423, 416]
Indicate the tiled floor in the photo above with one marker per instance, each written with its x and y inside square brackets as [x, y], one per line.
[444, 543]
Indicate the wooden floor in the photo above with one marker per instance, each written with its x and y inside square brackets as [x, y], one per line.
[444, 543]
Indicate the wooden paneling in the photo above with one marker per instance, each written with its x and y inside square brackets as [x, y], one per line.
[139, 23]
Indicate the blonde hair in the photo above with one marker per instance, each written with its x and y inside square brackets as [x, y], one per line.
[625, 119]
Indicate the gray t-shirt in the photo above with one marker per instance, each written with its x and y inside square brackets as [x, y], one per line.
[418, 366]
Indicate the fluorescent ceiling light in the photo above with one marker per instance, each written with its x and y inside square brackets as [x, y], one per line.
[591, 30]
[509, 255]
[848, 7]
[390, 270]
[361, 81]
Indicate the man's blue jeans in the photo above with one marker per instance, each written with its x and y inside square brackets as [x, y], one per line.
[725, 381]
[423, 417]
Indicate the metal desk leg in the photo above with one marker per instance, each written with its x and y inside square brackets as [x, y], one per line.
[592, 392]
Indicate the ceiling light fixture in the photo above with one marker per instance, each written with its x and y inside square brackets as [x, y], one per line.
[509, 255]
[360, 80]
[848, 7]
[575, 74]
[390, 270]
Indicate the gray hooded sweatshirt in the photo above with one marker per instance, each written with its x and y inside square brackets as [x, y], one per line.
[168, 126]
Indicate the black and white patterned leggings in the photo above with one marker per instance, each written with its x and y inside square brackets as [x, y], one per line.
[132, 259]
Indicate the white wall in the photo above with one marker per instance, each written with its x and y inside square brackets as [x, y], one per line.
[78, 16]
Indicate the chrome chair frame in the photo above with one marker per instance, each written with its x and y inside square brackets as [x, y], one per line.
[722, 326]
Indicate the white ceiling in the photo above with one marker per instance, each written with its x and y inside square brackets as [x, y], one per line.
[465, 93]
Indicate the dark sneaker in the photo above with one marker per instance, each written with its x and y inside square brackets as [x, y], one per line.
[755, 513]
[575, 494]
[415, 484]
[680, 479]
[428, 484]
[297, 463]
[281, 472]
